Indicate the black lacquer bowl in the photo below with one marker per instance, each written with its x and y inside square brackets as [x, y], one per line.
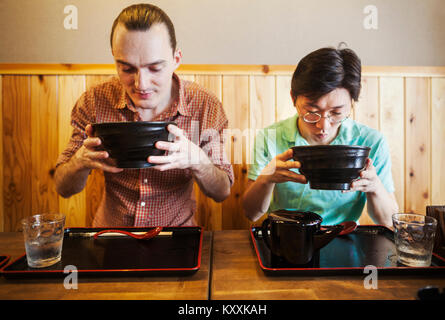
[331, 167]
[131, 143]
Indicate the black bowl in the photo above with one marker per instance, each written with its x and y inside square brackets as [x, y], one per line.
[331, 167]
[130, 143]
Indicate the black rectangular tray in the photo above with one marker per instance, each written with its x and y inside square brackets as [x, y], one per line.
[348, 254]
[3, 260]
[177, 254]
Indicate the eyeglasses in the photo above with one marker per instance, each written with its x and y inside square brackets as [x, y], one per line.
[313, 117]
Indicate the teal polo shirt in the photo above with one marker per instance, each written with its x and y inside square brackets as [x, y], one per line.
[332, 205]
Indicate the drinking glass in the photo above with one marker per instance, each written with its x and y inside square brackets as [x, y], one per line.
[414, 238]
[43, 234]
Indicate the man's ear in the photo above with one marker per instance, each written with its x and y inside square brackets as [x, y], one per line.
[177, 57]
[294, 99]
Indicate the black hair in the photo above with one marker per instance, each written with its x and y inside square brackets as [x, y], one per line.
[327, 69]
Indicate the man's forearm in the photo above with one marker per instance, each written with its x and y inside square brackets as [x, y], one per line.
[70, 178]
[381, 206]
[256, 199]
[213, 182]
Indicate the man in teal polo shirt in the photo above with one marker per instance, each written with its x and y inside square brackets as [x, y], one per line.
[324, 87]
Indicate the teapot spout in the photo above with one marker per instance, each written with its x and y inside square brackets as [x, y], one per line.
[326, 235]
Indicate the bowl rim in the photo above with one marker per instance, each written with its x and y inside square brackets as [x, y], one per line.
[137, 123]
[332, 146]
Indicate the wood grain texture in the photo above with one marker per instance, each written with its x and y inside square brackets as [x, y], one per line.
[95, 184]
[209, 213]
[438, 141]
[284, 104]
[17, 192]
[219, 69]
[262, 101]
[44, 143]
[213, 83]
[70, 89]
[2, 215]
[235, 97]
[236, 274]
[392, 125]
[366, 111]
[417, 144]
[193, 287]
[408, 110]
[189, 77]
[367, 108]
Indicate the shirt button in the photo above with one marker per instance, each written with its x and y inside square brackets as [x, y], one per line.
[143, 204]
[145, 180]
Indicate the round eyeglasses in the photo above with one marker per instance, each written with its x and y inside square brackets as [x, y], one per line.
[313, 117]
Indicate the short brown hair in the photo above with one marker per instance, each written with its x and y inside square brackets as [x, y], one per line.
[140, 17]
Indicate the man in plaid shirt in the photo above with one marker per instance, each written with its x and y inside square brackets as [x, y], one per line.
[143, 44]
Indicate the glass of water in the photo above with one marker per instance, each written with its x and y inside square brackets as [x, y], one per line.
[414, 238]
[43, 235]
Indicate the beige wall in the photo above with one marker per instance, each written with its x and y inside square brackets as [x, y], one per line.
[409, 32]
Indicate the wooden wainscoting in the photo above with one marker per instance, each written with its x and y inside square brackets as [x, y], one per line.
[406, 103]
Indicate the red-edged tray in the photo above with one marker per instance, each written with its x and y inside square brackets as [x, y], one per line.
[3, 260]
[348, 254]
[175, 252]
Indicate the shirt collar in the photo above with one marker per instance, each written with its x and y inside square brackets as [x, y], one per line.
[184, 107]
[290, 130]
[181, 105]
[348, 131]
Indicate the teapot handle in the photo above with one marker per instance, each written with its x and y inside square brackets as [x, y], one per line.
[265, 232]
[323, 236]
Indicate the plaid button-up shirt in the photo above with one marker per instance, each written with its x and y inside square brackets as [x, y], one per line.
[147, 197]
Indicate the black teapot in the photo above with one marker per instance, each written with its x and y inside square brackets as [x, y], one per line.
[296, 235]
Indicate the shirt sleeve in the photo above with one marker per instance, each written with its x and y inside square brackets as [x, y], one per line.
[81, 115]
[382, 163]
[264, 150]
[212, 138]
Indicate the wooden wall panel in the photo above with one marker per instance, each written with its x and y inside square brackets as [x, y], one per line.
[284, 105]
[189, 77]
[262, 101]
[2, 216]
[213, 83]
[392, 125]
[235, 97]
[17, 192]
[410, 111]
[70, 88]
[209, 213]
[367, 108]
[417, 144]
[44, 143]
[366, 111]
[438, 141]
[261, 107]
[95, 183]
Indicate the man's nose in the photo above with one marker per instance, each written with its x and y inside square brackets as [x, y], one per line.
[141, 80]
[324, 123]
